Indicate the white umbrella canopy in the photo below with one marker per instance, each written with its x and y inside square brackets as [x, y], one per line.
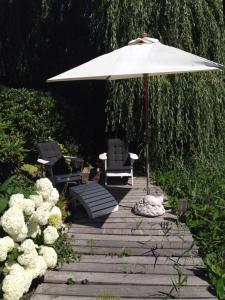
[142, 57]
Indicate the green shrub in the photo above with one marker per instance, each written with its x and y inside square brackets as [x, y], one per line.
[12, 150]
[64, 250]
[31, 171]
[13, 185]
[33, 113]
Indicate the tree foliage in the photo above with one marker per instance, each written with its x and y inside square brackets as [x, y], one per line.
[39, 39]
[186, 111]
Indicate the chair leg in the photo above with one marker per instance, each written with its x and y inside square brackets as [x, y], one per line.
[132, 177]
[105, 179]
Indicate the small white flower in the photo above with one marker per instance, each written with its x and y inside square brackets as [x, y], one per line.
[21, 235]
[41, 214]
[53, 197]
[44, 187]
[49, 255]
[13, 223]
[40, 268]
[55, 217]
[27, 246]
[56, 211]
[16, 283]
[28, 259]
[26, 205]
[38, 200]
[50, 235]
[16, 200]
[6, 245]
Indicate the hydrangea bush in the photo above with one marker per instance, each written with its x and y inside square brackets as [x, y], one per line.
[30, 226]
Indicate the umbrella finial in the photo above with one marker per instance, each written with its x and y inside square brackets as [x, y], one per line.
[144, 34]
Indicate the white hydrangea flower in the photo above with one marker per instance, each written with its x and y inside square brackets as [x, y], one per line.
[30, 255]
[39, 269]
[33, 229]
[56, 211]
[53, 197]
[27, 246]
[13, 223]
[16, 200]
[41, 214]
[44, 187]
[26, 205]
[38, 200]
[6, 245]
[28, 259]
[16, 283]
[50, 235]
[22, 235]
[55, 217]
[49, 255]
[12, 267]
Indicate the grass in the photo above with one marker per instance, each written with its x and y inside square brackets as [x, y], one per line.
[106, 295]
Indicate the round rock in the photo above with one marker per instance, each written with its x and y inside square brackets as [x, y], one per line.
[150, 206]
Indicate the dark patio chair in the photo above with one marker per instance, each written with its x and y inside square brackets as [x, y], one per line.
[55, 164]
[118, 162]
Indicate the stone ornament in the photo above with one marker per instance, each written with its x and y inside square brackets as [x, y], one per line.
[149, 206]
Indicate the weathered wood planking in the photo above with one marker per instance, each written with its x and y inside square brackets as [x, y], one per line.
[53, 297]
[102, 259]
[112, 278]
[129, 291]
[154, 251]
[158, 249]
[129, 268]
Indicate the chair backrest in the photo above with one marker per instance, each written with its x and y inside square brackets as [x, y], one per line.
[51, 151]
[117, 153]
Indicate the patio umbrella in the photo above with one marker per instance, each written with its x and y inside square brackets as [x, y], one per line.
[142, 57]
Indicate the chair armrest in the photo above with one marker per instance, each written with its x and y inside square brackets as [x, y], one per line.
[44, 162]
[103, 156]
[76, 162]
[133, 156]
[75, 158]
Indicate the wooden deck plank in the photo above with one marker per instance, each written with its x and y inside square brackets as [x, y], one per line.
[128, 268]
[117, 219]
[102, 259]
[132, 244]
[134, 238]
[156, 249]
[130, 291]
[132, 231]
[53, 297]
[126, 213]
[119, 278]
[130, 225]
[113, 251]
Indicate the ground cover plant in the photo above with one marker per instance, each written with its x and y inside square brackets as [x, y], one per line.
[202, 184]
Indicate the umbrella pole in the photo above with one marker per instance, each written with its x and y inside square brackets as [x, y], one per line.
[147, 133]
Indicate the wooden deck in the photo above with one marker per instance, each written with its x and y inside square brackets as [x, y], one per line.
[129, 256]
